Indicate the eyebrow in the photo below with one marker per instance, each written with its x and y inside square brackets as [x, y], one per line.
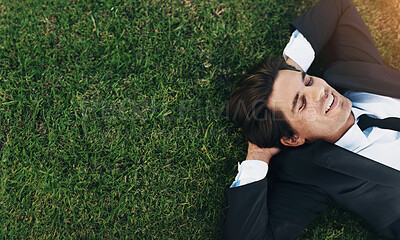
[296, 98]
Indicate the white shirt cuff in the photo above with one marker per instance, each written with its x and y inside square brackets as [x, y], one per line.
[299, 50]
[250, 171]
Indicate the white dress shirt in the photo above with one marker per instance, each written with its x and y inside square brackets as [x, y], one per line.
[381, 145]
[378, 144]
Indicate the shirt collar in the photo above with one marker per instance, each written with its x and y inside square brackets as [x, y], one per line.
[354, 139]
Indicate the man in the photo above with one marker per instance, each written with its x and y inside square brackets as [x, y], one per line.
[338, 158]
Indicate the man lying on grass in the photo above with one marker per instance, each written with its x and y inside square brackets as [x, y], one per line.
[327, 148]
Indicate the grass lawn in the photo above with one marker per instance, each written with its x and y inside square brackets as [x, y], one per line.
[112, 114]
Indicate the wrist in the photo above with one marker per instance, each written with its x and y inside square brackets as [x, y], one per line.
[261, 156]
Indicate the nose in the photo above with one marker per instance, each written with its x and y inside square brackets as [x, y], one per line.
[315, 93]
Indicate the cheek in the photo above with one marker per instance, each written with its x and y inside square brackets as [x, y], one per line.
[300, 125]
[310, 113]
[304, 129]
[308, 117]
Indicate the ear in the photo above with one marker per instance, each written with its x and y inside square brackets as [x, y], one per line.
[294, 141]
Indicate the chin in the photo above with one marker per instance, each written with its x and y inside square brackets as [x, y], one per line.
[347, 105]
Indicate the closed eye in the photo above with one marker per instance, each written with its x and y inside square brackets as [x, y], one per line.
[303, 103]
[310, 82]
[307, 82]
[303, 99]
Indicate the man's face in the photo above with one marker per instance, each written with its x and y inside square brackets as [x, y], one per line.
[312, 108]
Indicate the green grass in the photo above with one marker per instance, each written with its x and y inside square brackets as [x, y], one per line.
[112, 116]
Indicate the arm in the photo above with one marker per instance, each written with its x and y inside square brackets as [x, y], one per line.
[281, 213]
[246, 214]
[292, 206]
[336, 24]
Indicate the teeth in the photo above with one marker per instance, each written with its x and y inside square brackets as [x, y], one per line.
[330, 104]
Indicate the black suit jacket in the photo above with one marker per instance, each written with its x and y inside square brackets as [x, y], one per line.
[310, 177]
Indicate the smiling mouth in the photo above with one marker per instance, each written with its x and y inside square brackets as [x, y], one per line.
[330, 103]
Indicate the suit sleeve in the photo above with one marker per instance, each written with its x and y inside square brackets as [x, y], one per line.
[338, 25]
[292, 208]
[246, 212]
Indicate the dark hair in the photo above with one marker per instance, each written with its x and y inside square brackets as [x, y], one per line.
[247, 106]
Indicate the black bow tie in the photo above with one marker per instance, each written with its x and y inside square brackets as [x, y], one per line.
[365, 121]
